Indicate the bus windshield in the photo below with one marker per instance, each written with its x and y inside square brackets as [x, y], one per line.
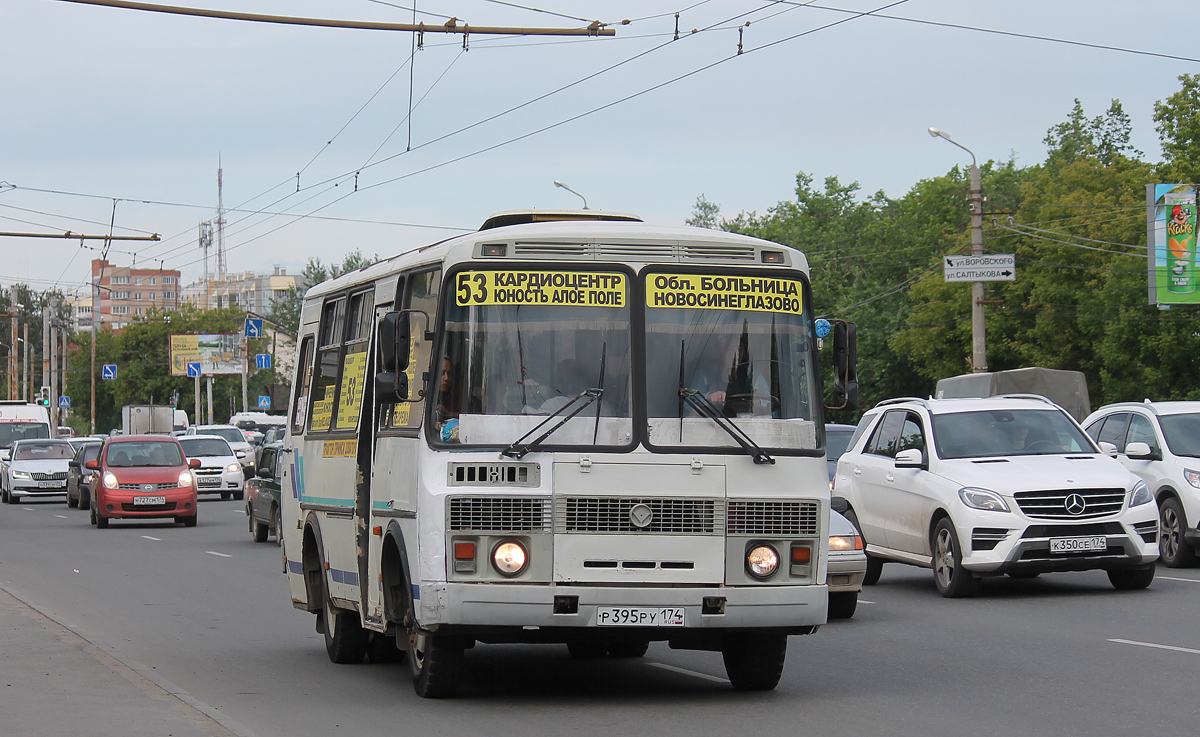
[739, 343]
[520, 345]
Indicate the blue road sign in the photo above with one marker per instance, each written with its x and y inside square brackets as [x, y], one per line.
[254, 328]
[264, 402]
[108, 371]
[64, 402]
[262, 360]
[194, 370]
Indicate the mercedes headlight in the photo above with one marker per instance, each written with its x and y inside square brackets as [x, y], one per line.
[984, 499]
[1140, 495]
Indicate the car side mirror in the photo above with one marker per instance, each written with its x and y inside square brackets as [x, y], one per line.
[193, 463]
[5, 454]
[911, 458]
[1108, 448]
[1142, 452]
[240, 453]
[92, 465]
[265, 473]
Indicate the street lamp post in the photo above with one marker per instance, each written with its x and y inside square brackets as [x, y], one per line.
[560, 184]
[978, 326]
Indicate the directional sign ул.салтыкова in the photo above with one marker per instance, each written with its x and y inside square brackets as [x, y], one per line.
[992, 267]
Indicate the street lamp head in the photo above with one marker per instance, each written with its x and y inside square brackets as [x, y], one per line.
[937, 133]
[559, 184]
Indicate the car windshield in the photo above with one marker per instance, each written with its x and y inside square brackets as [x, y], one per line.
[205, 447]
[836, 442]
[43, 452]
[231, 434]
[1183, 434]
[521, 345]
[13, 431]
[144, 453]
[1007, 433]
[744, 344]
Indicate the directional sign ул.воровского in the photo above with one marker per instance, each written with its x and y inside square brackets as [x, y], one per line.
[992, 267]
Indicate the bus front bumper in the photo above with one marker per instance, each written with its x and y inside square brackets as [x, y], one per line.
[797, 608]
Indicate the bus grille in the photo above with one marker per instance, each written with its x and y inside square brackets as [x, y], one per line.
[498, 514]
[671, 516]
[1064, 504]
[748, 517]
[493, 474]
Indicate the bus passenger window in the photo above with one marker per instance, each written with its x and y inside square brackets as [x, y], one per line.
[305, 370]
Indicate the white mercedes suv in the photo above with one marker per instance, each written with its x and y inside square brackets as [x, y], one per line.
[1160, 442]
[984, 487]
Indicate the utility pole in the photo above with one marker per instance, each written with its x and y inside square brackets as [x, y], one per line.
[54, 423]
[978, 326]
[27, 394]
[46, 343]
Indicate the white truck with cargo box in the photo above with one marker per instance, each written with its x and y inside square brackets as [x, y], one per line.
[147, 419]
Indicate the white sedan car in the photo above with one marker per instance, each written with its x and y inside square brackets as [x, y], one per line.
[220, 469]
[847, 566]
[38, 469]
[236, 439]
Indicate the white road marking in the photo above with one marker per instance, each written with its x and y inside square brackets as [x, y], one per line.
[1172, 578]
[864, 601]
[1160, 647]
[27, 509]
[222, 555]
[156, 539]
[687, 672]
[61, 516]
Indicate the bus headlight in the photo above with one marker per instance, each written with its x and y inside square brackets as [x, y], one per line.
[509, 558]
[762, 561]
[110, 480]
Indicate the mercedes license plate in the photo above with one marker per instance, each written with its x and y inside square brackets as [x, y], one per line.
[146, 500]
[1098, 543]
[51, 484]
[639, 616]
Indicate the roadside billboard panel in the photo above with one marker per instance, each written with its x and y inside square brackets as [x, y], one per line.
[217, 353]
[1171, 214]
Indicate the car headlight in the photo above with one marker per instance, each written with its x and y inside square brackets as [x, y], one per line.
[185, 478]
[1140, 495]
[509, 558]
[110, 481]
[845, 542]
[762, 561]
[984, 499]
[233, 468]
[1193, 477]
[21, 474]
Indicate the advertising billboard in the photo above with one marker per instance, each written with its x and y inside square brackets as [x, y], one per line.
[1171, 234]
[217, 353]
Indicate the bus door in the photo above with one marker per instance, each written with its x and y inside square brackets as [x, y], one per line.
[393, 469]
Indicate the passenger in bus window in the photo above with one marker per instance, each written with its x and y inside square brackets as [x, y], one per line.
[448, 404]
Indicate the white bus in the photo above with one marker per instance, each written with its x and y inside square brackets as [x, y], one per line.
[563, 428]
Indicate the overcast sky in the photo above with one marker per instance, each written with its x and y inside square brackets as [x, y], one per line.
[139, 106]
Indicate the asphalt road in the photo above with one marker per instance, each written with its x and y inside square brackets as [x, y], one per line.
[205, 613]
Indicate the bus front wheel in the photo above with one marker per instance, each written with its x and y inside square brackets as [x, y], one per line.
[435, 660]
[754, 662]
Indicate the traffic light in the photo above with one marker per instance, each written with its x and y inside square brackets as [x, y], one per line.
[44, 396]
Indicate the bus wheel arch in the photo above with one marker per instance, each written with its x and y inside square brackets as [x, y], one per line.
[393, 566]
[312, 558]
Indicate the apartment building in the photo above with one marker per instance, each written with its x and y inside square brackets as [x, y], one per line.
[247, 291]
[127, 293]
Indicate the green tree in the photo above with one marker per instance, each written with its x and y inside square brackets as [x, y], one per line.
[705, 214]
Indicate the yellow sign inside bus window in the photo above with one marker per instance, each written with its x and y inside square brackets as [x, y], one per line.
[323, 410]
[354, 370]
[543, 288]
[706, 292]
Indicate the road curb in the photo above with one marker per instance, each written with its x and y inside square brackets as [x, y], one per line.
[109, 657]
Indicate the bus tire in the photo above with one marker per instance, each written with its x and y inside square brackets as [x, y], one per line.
[754, 662]
[434, 660]
[345, 638]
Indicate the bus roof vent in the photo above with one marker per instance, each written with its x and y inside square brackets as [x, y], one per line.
[545, 249]
[638, 251]
[521, 217]
[717, 252]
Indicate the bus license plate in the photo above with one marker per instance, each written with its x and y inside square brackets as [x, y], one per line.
[51, 484]
[141, 500]
[639, 616]
[1078, 544]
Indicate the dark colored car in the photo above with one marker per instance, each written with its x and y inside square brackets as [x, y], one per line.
[143, 476]
[262, 496]
[79, 478]
[837, 439]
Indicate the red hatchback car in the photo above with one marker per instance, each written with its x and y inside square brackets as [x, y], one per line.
[143, 476]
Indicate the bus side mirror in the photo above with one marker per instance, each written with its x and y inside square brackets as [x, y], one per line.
[395, 351]
[845, 366]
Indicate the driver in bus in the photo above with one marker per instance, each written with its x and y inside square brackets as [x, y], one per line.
[726, 377]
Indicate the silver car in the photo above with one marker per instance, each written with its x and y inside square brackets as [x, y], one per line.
[38, 469]
[847, 566]
[236, 439]
[220, 469]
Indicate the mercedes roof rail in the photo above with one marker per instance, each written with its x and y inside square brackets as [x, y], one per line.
[1037, 397]
[902, 400]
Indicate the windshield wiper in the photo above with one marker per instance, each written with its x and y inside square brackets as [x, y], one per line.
[519, 448]
[705, 408]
